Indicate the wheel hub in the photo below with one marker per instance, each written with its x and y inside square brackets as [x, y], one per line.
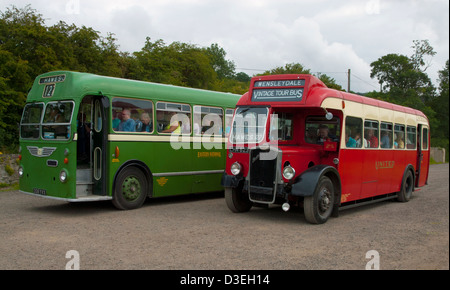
[131, 188]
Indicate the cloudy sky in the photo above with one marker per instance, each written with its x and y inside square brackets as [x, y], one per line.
[328, 36]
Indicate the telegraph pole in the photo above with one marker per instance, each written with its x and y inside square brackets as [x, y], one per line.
[348, 83]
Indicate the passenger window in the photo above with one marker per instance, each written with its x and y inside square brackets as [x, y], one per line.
[132, 115]
[228, 120]
[371, 134]
[208, 121]
[173, 118]
[399, 136]
[353, 132]
[386, 135]
[411, 137]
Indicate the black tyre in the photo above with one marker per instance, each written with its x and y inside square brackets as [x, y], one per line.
[130, 189]
[236, 200]
[407, 187]
[319, 206]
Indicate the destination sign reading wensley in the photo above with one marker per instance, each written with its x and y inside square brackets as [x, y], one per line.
[278, 91]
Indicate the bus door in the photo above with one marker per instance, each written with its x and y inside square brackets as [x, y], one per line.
[91, 144]
[99, 144]
[422, 155]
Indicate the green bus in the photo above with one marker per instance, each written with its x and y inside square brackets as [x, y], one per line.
[85, 137]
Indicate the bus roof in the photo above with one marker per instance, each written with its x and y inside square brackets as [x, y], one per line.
[76, 85]
[301, 90]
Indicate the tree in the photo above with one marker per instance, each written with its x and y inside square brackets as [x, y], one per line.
[440, 133]
[400, 77]
[422, 48]
[224, 68]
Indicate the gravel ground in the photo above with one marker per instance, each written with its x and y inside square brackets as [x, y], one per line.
[199, 232]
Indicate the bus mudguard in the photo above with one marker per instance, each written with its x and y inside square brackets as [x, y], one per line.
[143, 167]
[305, 184]
[231, 180]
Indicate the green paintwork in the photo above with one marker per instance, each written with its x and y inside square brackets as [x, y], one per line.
[158, 156]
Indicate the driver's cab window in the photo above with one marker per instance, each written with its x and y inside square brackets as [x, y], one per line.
[318, 130]
[281, 126]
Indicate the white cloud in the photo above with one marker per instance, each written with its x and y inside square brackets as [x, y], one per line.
[324, 35]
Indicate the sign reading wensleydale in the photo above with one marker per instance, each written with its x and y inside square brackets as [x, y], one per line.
[281, 83]
[278, 91]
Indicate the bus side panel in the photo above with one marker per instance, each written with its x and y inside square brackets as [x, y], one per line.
[211, 158]
[350, 170]
[385, 166]
[370, 180]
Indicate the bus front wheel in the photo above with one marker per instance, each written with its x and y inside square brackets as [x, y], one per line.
[319, 206]
[130, 189]
[236, 200]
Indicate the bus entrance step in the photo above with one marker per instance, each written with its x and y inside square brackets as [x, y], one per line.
[84, 175]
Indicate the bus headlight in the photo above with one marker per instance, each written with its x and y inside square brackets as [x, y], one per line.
[288, 172]
[235, 168]
[20, 171]
[63, 176]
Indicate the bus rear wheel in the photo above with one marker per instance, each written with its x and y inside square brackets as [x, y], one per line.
[236, 200]
[319, 206]
[407, 187]
[130, 189]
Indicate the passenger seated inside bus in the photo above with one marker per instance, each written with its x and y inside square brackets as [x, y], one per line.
[385, 142]
[400, 142]
[127, 124]
[372, 140]
[349, 141]
[173, 125]
[117, 118]
[147, 125]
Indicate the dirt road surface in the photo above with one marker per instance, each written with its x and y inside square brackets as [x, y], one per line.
[199, 232]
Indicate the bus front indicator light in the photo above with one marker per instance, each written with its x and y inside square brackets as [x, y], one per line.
[20, 171]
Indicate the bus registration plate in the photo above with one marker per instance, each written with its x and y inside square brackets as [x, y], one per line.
[39, 191]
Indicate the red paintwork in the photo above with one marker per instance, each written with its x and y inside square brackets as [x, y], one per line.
[363, 172]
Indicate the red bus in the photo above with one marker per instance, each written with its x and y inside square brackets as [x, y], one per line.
[294, 141]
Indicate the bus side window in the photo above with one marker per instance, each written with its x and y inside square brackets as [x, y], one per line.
[353, 129]
[411, 137]
[371, 133]
[208, 120]
[399, 136]
[132, 115]
[386, 135]
[173, 118]
[228, 120]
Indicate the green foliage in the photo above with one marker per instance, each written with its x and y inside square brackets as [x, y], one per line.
[9, 170]
[404, 82]
[29, 48]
